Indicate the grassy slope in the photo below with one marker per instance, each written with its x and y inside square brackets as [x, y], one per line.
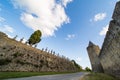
[6, 75]
[98, 76]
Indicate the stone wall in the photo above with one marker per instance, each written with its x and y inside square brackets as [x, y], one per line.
[109, 55]
[16, 56]
[110, 52]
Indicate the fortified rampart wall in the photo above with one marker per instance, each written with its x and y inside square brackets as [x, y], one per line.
[16, 56]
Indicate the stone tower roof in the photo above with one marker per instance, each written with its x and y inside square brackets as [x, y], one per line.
[91, 43]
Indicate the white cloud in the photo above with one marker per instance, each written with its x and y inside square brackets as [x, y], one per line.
[98, 17]
[7, 28]
[104, 30]
[79, 59]
[9, 36]
[23, 41]
[65, 2]
[2, 19]
[45, 15]
[70, 36]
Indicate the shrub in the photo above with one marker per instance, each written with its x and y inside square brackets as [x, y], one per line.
[20, 62]
[41, 61]
[4, 47]
[87, 69]
[1, 54]
[17, 54]
[36, 66]
[77, 65]
[4, 61]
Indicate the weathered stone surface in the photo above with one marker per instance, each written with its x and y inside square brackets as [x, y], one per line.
[16, 56]
[93, 52]
[116, 13]
[110, 52]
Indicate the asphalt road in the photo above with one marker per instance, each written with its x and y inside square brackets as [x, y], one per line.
[73, 76]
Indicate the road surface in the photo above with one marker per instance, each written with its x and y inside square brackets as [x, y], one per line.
[73, 76]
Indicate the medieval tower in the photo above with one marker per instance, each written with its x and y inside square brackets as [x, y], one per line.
[93, 52]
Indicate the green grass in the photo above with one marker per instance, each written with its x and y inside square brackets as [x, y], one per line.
[98, 76]
[6, 75]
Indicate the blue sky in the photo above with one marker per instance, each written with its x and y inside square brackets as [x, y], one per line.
[67, 25]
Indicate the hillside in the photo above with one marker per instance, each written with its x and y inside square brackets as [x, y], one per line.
[17, 56]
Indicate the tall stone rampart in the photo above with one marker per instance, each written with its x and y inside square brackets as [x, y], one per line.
[109, 55]
[110, 52]
[16, 56]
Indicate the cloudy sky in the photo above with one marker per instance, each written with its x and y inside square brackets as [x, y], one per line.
[67, 25]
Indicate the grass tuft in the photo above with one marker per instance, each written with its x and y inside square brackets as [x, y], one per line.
[98, 76]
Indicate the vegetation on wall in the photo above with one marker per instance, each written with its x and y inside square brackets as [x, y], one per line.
[77, 65]
[4, 61]
[87, 69]
[22, 57]
[17, 54]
